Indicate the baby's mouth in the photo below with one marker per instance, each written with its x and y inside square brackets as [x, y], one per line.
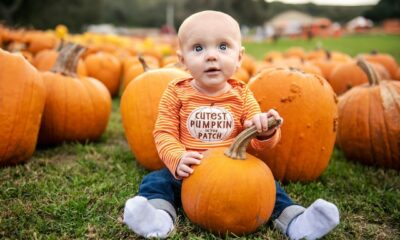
[212, 70]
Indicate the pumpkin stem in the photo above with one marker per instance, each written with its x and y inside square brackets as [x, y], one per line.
[144, 64]
[374, 52]
[75, 55]
[328, 54]
[62, 60]
[67, 59]
[373, 78]
[237, 150]
[60, 45]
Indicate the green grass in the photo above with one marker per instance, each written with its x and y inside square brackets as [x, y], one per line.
[78, 191]
[351, 44]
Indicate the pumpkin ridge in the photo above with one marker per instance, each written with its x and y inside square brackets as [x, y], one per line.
[385, 148]
[392, 156]
[372, 159]
[211, 190]
[394, 94]
[385, 134]
[315, 168]
[293, 140]
[345, 102]
[92, 105]
[66, 107]
[82, 109]
[17, 110]
[92, 108]
[304, 171]
[31, 101]
[265, 172]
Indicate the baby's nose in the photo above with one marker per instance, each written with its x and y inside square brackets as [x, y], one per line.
[211, 55]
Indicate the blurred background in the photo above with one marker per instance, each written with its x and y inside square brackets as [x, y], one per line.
[260, 18]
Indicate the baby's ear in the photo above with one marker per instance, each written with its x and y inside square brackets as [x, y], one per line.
[241, 52]
[180, 57]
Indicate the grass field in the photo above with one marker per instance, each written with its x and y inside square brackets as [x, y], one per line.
[78, 191]
[350, 44]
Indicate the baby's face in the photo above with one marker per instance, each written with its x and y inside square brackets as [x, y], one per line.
[211, 50]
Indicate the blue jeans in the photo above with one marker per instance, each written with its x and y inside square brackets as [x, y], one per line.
[162, 185]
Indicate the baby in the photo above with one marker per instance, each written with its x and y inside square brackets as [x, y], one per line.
[205, 111]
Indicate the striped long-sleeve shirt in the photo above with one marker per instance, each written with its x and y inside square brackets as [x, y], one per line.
[191, 121]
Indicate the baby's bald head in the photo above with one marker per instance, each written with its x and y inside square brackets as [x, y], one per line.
[209, 19]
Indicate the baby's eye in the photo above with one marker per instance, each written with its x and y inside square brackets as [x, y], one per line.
[223, 46]
[198, 48]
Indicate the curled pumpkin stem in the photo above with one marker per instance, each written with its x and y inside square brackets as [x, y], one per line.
[373, 78]
[144, 64]
[74, 57]
[237, 150]
[67, 59]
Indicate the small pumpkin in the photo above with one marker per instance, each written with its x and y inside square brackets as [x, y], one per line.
[328, 63]
[230, 192]
[348, 75]
[45, 60]
[297, 52]
[387, 60]
[369, 121]
[22, 99]
[242, 75]
[106, 68]
[77, 108]
[39, 41]
[249, 64]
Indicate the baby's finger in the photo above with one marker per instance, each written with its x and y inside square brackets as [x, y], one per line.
[190, 161]
[273, 113]
[186, 169]
[181, 173]
[196, 155]
[257, 122]
[264, 122]
[247, 124]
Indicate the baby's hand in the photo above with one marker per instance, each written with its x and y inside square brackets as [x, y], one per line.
[184, 166]
[261, 122]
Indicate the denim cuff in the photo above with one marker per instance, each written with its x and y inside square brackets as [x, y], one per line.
[164, 205]
[286, 217]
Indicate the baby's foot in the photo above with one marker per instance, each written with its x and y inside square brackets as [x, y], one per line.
[316, 221]
[145, 220]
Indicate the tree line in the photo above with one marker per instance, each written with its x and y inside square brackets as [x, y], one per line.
[76, 14]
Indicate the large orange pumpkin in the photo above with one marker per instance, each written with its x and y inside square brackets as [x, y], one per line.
[230, 192]
[77, 108]
[22, 98]
[139, 109]
[369, 121]
[308, 105]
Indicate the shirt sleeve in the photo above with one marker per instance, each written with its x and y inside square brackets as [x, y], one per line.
[251, 106]
[166, 131]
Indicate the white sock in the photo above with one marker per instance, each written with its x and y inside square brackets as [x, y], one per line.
[145, 220]
[316, 221]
